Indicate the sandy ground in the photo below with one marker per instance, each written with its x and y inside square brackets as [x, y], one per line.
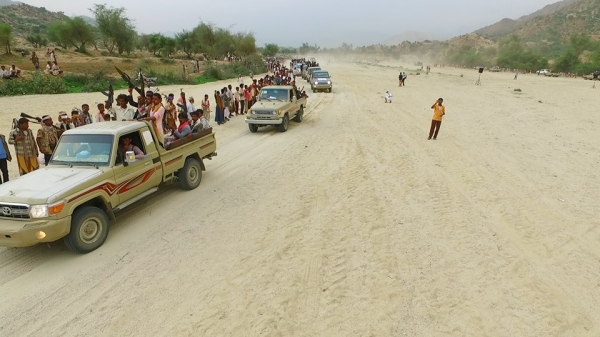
[350, 224]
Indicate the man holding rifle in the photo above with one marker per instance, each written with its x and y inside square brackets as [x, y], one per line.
[25, 147]
[47, 138]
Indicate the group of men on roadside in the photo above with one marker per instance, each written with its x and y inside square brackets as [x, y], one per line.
[8, 73]
[163, 117]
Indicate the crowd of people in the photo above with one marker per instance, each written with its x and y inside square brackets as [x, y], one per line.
[171, 119]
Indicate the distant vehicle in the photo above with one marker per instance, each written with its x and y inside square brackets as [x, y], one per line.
[543, 72]
[276, 105]
[297, 69]
[495, 69]
[309, 71]
[321, 80]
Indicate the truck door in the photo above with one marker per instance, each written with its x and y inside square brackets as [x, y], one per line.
[293, 101]
[140, 176]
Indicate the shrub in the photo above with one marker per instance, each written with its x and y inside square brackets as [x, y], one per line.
[167, 61]
[91, 82]
[40, 84]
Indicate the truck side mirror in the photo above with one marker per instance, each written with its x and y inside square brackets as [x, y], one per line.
[130, 157]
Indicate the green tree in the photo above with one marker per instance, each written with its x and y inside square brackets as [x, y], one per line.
[57, 33]
[116, 29]
[568, 61]
[80, 33]
[37, 40]
[224, 43]
[155, 43]
[71, 32]
[270, 50]
[143, 42]
[246, 45]
[168, 46]
[187, 42]
[512, 54]
[6, 37]
[205, 34]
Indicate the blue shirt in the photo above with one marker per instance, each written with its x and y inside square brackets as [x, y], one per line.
[3, 154]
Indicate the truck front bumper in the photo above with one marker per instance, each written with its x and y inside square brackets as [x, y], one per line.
[260, 121]
[322, 86]
[15, 233]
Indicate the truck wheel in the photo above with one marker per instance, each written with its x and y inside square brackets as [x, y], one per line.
[283, 127]
[89, 230]
[190, 174]
[330, 89]
[299, 115]
[253, 127]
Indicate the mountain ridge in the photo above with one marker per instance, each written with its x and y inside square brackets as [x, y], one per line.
[509, 26]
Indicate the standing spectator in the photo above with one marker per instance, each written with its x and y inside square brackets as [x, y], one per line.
[53, 57]
[438, 112]
[219, 118]
[25, 147]
[242, 100]
[190, 107]
[237, 100]
[122, 112]
[47, 138]
[226, 103]
[35, 61]
[85, 114]
[100, 114]
[206, 107]
[4, 156]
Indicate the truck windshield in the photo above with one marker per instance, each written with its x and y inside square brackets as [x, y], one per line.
[323, 74]
[274, 94]
[83, 150]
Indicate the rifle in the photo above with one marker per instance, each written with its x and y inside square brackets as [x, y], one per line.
[127, 79]
[142, 83]
[110, 94]
[36, 120]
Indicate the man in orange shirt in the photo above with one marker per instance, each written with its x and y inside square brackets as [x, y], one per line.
[438, 112]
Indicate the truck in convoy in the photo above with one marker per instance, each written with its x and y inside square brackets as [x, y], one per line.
[276, 105]
[96, 171]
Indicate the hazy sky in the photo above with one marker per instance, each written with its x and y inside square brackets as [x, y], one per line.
[289, 23]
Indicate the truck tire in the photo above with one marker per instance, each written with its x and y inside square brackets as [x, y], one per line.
[89, 230]
[253, 127]
[190, 175]
[283, 127]
[299, 115]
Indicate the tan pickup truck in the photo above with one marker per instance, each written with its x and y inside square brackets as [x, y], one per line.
[276, 105]
[91, 177]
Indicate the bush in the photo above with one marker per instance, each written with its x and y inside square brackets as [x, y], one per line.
[91, 82]
[40, 84]
[167, 61]
[145, 63]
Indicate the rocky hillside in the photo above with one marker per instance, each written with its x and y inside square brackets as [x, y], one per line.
[507, 26]
[25, 19]
[582, 16]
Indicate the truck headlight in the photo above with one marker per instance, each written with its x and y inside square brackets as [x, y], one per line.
[316, 82]
[328, 82]
[44, 211]
[274, 112]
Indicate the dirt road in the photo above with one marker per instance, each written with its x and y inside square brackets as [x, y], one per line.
[353, 224]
